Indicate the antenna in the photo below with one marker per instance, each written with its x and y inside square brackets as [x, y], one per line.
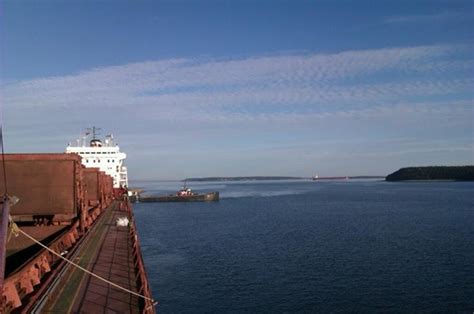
[95, 132]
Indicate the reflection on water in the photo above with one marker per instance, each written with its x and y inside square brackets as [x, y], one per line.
[232, 189]
[303, 246]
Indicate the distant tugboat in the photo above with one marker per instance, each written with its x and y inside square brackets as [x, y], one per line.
[185, 194]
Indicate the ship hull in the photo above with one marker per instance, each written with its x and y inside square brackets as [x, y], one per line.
[69, 209]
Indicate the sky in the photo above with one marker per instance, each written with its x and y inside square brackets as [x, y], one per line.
[242, 88]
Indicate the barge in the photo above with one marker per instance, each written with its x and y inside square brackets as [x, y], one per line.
[71, 243]
[183, 195]
[208, 197]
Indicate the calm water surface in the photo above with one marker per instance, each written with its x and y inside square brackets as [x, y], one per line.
[300, 246]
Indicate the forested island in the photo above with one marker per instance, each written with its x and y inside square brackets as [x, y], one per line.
[256, 178]
[454, 173]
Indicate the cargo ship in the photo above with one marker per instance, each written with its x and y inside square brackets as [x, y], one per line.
[71, 243]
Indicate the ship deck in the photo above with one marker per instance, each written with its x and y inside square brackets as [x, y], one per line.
[106, 251]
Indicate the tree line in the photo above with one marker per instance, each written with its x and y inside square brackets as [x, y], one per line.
[456, 173]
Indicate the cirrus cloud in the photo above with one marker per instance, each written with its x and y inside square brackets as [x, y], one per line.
[387, 92]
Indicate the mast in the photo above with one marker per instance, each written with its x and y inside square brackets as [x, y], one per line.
[95, 132]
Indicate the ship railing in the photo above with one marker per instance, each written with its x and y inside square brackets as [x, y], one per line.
[141, 277]
[23, 280]
[34, 272]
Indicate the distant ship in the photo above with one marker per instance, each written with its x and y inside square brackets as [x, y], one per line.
[316, 177]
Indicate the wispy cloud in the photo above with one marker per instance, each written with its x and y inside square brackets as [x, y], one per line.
[393, 91]
[294, 79]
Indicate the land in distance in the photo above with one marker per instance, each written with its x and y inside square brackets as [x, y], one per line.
[242, 178]
[366, 177]
[452, 173]
[260, 178]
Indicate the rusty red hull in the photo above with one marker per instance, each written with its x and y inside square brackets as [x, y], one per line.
[60, 201]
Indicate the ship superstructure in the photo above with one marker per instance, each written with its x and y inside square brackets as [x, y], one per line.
[104, 155]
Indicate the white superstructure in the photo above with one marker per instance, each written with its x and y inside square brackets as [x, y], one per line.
[103, 155]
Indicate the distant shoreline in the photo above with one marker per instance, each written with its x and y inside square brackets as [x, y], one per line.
[252, 178]
[264, 178]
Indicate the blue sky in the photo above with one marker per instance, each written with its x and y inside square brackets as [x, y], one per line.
[228, 88]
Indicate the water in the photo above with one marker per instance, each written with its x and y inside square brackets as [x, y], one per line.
[297, 246]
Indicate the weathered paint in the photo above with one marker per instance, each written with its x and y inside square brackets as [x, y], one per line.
[64, 182]
[49, 186]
